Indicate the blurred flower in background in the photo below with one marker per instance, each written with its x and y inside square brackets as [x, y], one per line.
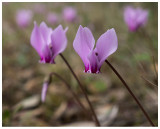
[69, 14]
[23, 18]
[39, 8]
[52, 18]
[135, 17]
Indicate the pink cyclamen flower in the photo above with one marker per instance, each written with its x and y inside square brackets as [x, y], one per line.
[23, 18]
[47, 42]
[69, 14]
[44, 91]
[52, 18]
[93, 58]
[39, 8]
[135, 17]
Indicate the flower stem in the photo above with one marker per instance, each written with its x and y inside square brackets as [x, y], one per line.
[83, 90]
[131, 93]
[149, 82]
[154, 64]
[72, 92]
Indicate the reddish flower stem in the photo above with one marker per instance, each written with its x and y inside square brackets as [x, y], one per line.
[83, 90]
[131, 93]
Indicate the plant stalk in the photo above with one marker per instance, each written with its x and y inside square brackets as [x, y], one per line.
[72, 92]
[151, 83]
[83, 90]
[131, 93]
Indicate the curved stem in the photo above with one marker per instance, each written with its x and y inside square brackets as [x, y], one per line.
[83, 90]
[131, 93]
[154, 64]
[151, 83]
[72, 92]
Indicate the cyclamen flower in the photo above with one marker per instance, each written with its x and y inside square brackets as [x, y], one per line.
[47, 42]
[69, 14]
[93, 58]
[135, 17]
[52, 18]
[23, 18]
[39, 8]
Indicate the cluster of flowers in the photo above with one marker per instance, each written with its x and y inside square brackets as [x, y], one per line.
[49, 43]
[134, 17]
[24, 17]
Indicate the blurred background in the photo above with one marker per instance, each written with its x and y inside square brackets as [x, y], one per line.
[136, 60]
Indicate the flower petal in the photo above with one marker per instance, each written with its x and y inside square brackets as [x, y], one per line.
[129, 14]
[58, 40]
[106, 45]
[142, 16]
[37, 40]
[46, 32]
[66, 29]
[130, 18]
[83, 43]
[44, 91]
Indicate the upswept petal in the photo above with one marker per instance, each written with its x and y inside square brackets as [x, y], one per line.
[130, 17]
[129, 14]
[46, 32]
[66, 29]
[83, 43]
[37, 40]
[106, 45]
[58, 40]
[142, 16]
